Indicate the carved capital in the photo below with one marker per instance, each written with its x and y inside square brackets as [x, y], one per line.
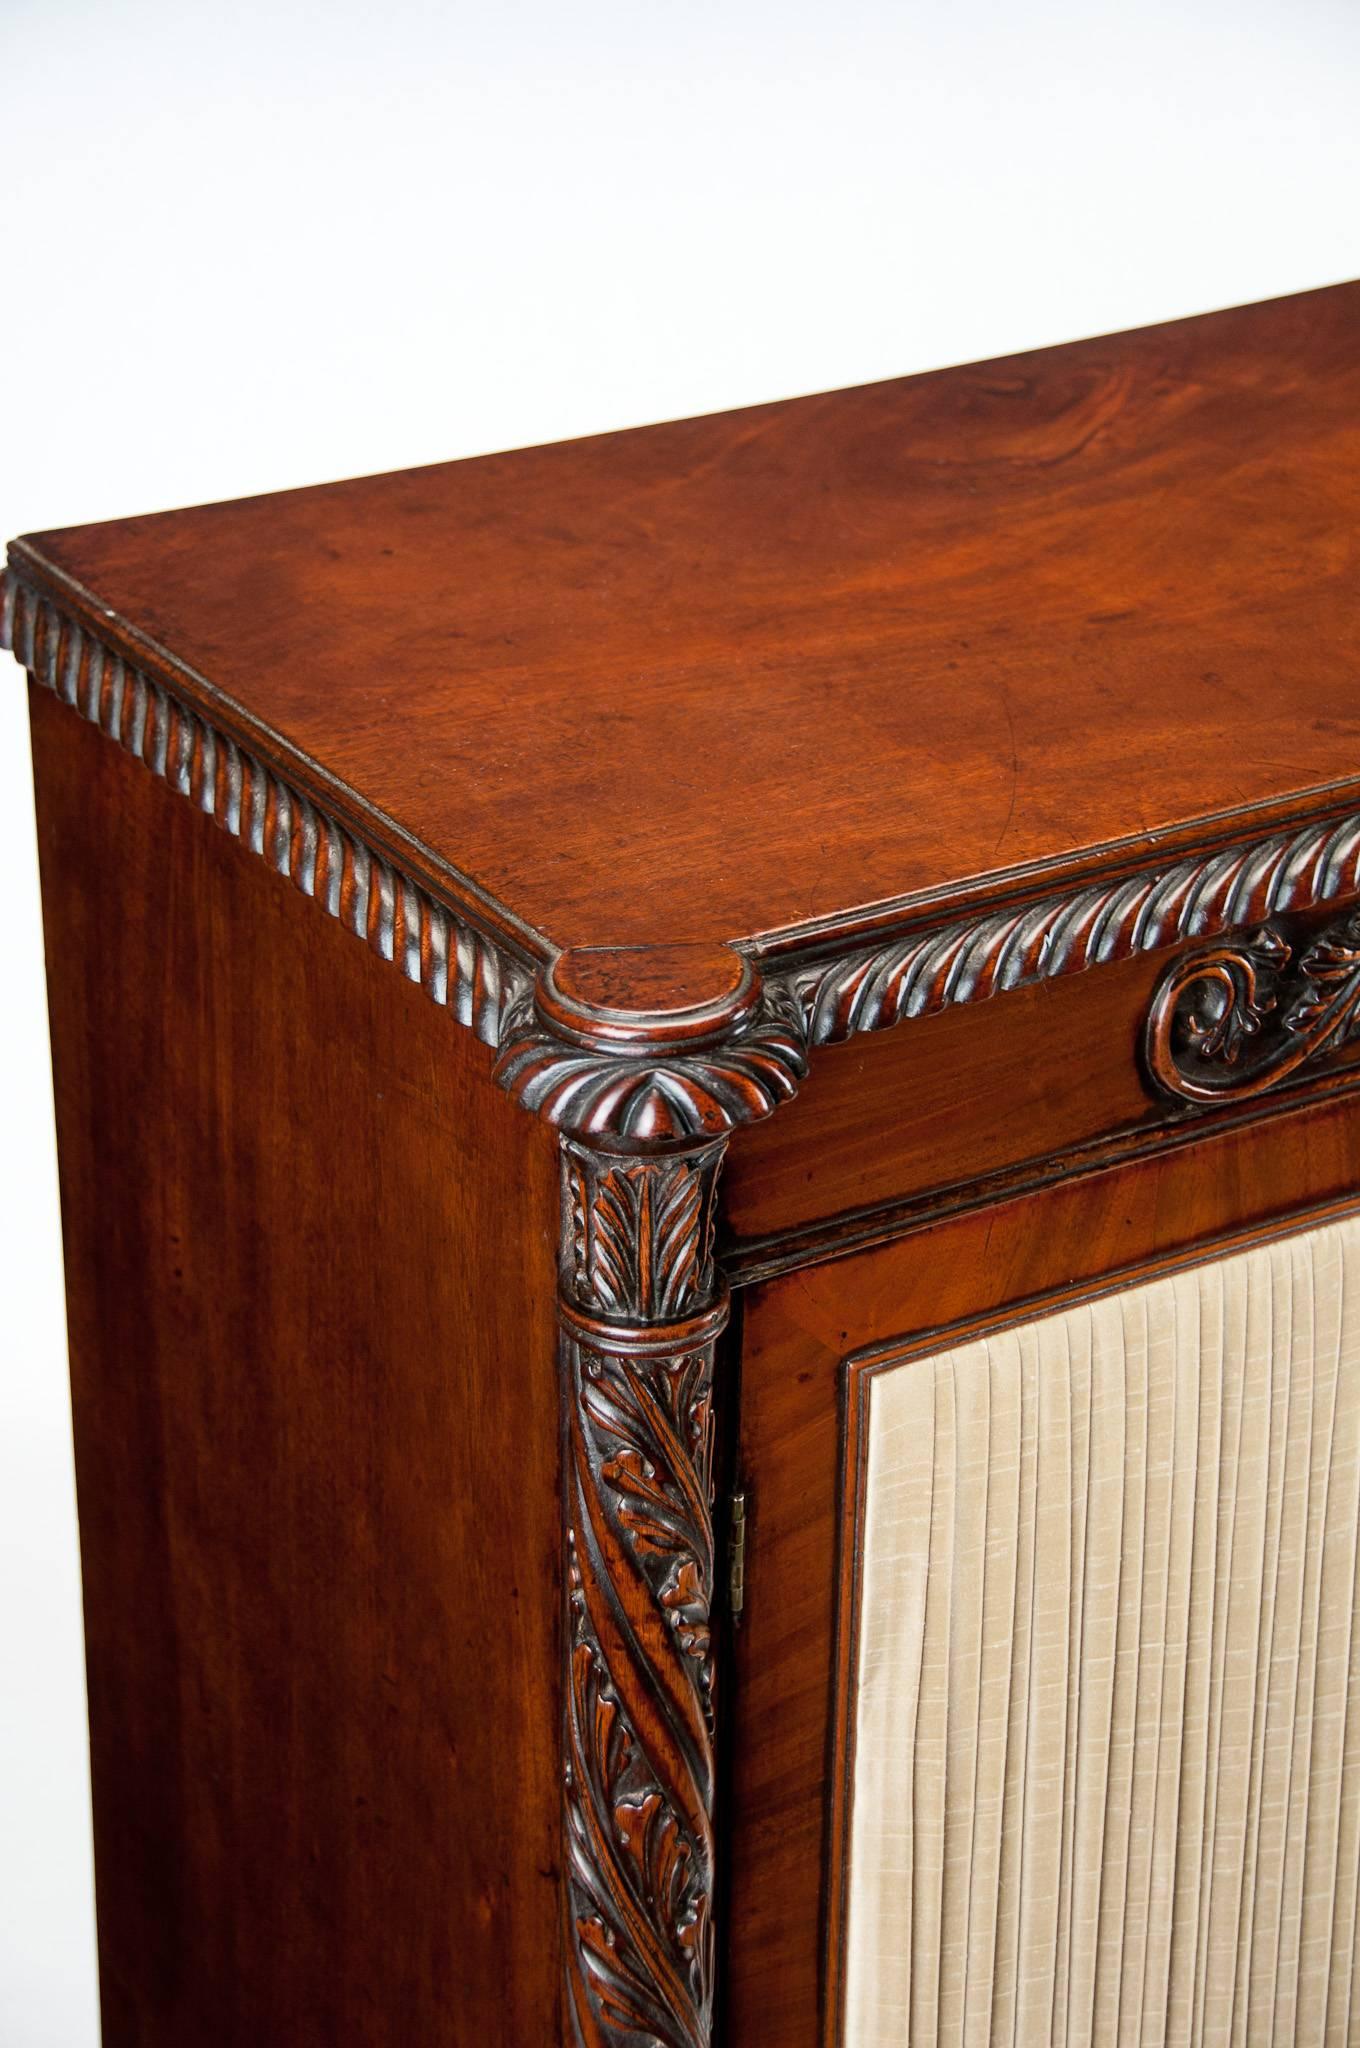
[652, 1047]
[639, 1231]
[642, 1308]
[1231, 1020]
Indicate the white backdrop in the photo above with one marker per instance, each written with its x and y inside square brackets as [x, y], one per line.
[263, 244]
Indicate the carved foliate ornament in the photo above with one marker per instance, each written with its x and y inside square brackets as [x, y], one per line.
[642, 1309]
[675, 1076]
[1231, 1020]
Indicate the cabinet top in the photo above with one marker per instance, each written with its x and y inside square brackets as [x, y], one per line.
[809, 669]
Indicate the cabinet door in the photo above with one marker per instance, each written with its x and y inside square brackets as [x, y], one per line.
[1105, 1773]
[1042, 1724]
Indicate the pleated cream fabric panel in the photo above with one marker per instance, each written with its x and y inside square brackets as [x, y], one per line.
[1107, 1773]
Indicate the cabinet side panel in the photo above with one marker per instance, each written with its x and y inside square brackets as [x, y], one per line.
[310, 1257]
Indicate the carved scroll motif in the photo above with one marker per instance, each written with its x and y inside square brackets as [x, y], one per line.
[641, 1316]
[1234, 1019]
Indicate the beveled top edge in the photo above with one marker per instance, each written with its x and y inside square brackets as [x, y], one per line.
[1042, 938]
[661, 998]
[463, 967]
[718, 1039]
[820, 944]
[795, 948]
[461, 893]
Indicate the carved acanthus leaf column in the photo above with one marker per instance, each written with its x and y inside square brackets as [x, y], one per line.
[645, 1100]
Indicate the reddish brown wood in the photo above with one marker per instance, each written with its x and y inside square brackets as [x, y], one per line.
[664, 762]
[310, 1260]
[642, 1310]
[976, 1100]
[1232, 1021]
[966, 1092]
[788, 664]
[797, 1331]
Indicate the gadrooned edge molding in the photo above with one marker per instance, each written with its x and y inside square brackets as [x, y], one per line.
[972, 959]
[659, 1097]
[458, 966]
[663, 1095]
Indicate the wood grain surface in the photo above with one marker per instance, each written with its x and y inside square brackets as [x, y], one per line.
[833, 680]
[310, 1257]
[713, 679]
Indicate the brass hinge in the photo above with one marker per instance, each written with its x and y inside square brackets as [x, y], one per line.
[736, 1557]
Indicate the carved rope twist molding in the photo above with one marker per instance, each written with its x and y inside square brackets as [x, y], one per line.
[641, 1317]
[642, 1306]
[459, 967]
[973, 959]
[489, 989]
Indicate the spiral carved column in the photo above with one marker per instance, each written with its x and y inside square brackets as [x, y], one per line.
[645, 1101]
[641, 1314]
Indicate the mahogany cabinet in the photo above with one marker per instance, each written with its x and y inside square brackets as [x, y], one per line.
[743, 1425]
